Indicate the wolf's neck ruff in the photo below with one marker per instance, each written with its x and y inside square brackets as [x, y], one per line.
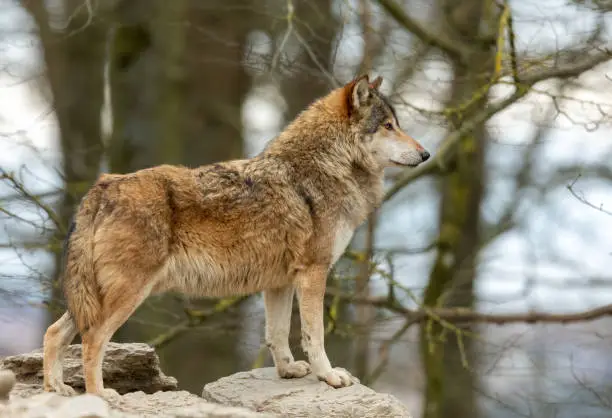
[323, 150]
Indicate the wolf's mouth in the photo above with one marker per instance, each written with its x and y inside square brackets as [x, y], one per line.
[398, 164]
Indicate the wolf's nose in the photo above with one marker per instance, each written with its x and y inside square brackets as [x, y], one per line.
[424, 155]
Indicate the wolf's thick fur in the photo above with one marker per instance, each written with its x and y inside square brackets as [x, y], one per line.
[273, 223]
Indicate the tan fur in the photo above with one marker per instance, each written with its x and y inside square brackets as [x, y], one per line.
[273, 223]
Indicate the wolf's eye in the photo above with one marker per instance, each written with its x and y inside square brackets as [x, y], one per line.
[388, 126]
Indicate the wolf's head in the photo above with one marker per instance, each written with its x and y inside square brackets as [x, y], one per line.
[375, 122]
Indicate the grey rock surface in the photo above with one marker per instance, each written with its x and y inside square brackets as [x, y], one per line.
[126, 368]
[50, 405]
[262, 390]
[174, 404]
[179, 404]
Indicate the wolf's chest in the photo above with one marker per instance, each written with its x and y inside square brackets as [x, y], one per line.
[342, 237]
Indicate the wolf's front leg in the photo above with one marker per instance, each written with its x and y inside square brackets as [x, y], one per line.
[278, 303]
[311, 291]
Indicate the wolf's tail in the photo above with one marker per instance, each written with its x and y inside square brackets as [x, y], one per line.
[80, 284]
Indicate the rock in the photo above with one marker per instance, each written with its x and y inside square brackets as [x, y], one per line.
[126, 368]
[180, 404]
[83, 406]
[172, 404]
[262, 390]
[7, 381]
[50, 405]
[133, 370]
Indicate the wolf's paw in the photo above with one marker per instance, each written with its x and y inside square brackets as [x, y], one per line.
[337, 377]
[60, 388]
[109, 394]
[298, 368]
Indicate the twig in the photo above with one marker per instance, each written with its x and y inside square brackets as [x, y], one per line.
[383, 352]
[511, 40]
[503, 24]
[90, 14]
[194, 319]
[583, 199]
[18, 186]
[333, 82]
[281, 47]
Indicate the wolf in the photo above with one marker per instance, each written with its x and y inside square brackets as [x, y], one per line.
[275, 223]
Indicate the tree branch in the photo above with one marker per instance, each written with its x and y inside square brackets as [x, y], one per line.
[19, 187]
[456, 315]
[439, 162]
[452, 47]
[569, 69]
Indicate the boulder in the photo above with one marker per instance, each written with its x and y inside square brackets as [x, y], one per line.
[262, 390]
[126, 368]
[133, 370]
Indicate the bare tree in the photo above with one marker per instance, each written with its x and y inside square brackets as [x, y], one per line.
[74, 59]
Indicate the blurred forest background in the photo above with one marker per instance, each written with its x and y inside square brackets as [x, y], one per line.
[482, 286]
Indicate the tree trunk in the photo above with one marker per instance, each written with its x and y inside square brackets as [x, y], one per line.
[450, 385]
[317, 27]
[177, 87]
[217, 36]
[74, 60]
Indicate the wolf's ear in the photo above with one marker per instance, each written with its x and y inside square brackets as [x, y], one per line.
[376, 83]
[360, 92]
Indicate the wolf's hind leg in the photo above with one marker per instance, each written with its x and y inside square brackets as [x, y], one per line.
[57, 338]
[278, 303]
[117, 308]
